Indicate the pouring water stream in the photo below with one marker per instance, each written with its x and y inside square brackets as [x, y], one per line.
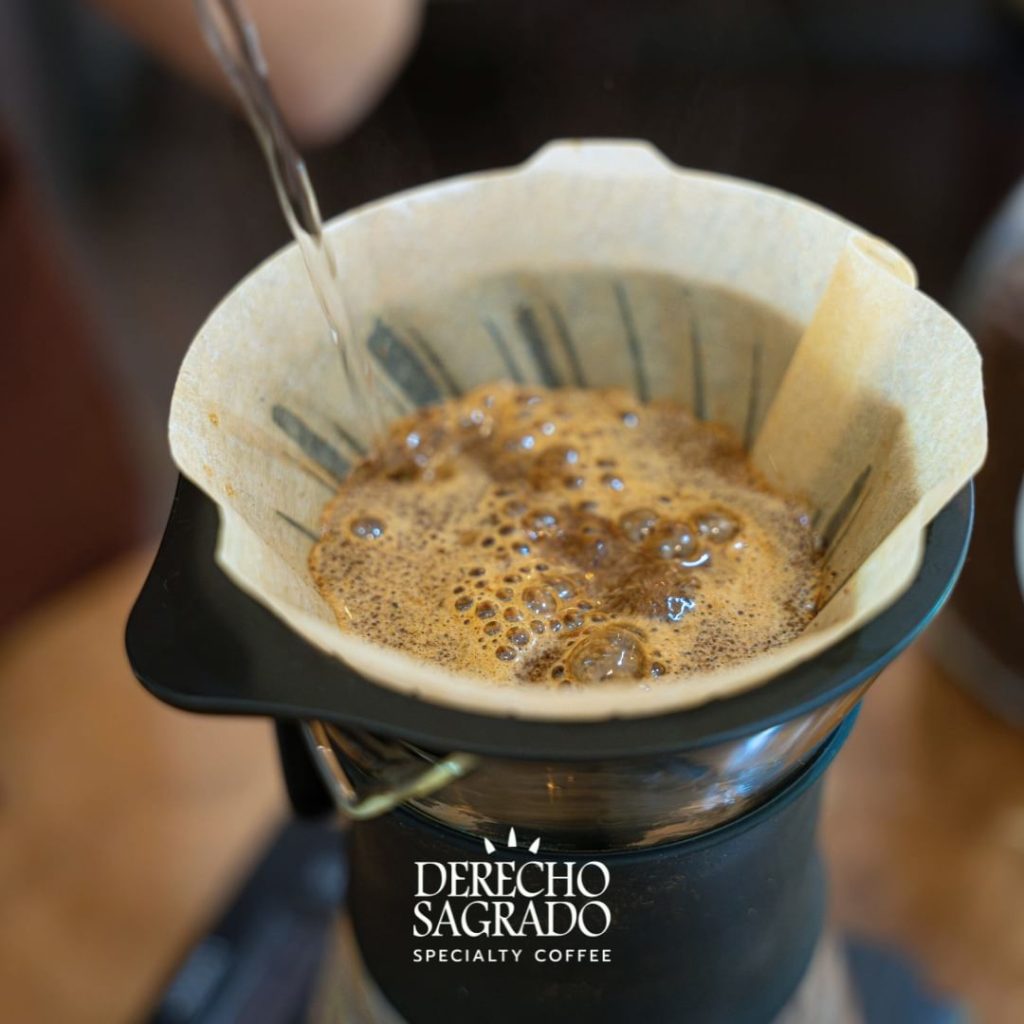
[234, 41]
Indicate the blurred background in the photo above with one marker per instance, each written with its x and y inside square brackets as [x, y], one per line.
[132, 197]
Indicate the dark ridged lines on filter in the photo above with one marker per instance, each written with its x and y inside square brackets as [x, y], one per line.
[295, 524]
[435, 361]
[697, 354]
[526, 320]
[568, 345]
[642, 388]
[494, 333]
[403, 366]
[840, 520]
[313, 446]
[753, 396]
[352, 442]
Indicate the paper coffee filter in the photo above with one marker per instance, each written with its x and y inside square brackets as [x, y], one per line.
[595, 264]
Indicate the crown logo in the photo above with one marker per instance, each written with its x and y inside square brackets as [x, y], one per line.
[512, 843]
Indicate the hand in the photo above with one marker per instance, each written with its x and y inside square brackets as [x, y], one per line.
[329, 60]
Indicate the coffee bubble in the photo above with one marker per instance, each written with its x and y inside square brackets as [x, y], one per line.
[608, 653]
[638, 523]
[586, 540]
[673, 540]
[540, 522]
[519, 637]
[367, 527]
[572, 619]
[562, 586]
[540, 600]
[556, 458]
[718, 527]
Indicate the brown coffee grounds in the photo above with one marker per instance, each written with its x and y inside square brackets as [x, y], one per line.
[565, 537]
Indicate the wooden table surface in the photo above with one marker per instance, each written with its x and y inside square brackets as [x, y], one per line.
[124, 824]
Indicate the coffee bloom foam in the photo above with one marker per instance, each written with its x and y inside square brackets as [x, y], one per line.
[565, 537]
